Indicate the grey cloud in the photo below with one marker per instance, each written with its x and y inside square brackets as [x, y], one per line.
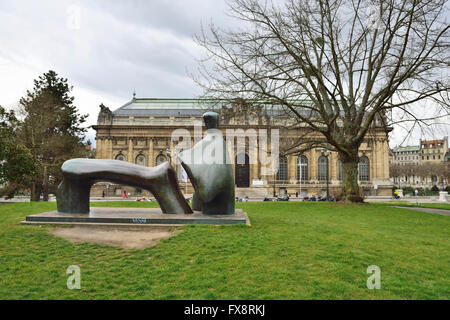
[182, 17]
[119, 46]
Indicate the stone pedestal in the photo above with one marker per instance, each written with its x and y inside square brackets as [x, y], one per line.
[443, 196]
[135, 216]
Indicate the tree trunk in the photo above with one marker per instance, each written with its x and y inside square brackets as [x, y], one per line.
[35, 192]
[45, 184]
[350, 188]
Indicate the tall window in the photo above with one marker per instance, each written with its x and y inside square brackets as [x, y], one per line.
[121, 157]
[160, 159]
[364, 169]
[282, 169]
[302, 167]
[340, 170]
[322, 172]
[141, 160]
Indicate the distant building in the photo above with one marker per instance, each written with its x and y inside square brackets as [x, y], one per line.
[406, 155]
[421, 165]
[433, 151]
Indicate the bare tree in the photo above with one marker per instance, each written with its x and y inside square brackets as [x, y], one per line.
[342, 69]
[397, 171]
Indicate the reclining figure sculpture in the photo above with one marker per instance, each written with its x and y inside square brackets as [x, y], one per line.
[79, 175]
[207, 165]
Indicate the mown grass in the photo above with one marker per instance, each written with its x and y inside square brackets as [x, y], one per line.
[291, 251]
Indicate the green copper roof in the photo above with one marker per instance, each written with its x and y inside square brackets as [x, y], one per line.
[407, 148]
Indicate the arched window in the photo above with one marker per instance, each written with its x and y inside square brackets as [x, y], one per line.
[364, 169]
[302, 167]
[121, 157]
[282, 169]
[141, 160]
[160, 159]
[322, 166]
[340, 170]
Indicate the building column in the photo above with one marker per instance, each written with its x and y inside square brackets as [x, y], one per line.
[313, 170]
[109, 143]
[291, 169]
[253, 157]
[130, 150]
[151, 158]
[232, 153]
[373, 163]
[385, 161]
[98, 148]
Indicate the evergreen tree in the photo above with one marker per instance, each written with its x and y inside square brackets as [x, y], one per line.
[51, 130]
[16, 163]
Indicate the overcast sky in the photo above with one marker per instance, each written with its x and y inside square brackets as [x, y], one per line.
[108, 48]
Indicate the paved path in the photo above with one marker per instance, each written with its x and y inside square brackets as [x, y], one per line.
[443, 212]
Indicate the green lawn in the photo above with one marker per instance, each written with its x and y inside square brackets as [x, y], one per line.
[292, 251]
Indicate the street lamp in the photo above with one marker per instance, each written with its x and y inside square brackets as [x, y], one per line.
[326, 154]
[300, 174]
[274, 181]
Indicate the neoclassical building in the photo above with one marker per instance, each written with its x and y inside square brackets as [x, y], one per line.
[141, 132]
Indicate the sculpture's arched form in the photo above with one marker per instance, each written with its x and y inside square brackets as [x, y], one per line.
[80, 174]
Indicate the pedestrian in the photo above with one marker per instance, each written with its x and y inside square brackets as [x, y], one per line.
[103, 194]
[124, 195]
[296, 194]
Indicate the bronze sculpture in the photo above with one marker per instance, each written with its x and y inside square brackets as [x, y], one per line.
[207, 165]
[80, 174]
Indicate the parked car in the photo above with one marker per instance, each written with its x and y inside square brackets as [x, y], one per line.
[283, 198]
[306, 199]
[267, 199]
[324, 198]
[312, 198]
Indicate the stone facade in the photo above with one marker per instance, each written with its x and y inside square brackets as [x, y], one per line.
[406, 155]
[141, 130]
[424, 165]
[433, 151]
